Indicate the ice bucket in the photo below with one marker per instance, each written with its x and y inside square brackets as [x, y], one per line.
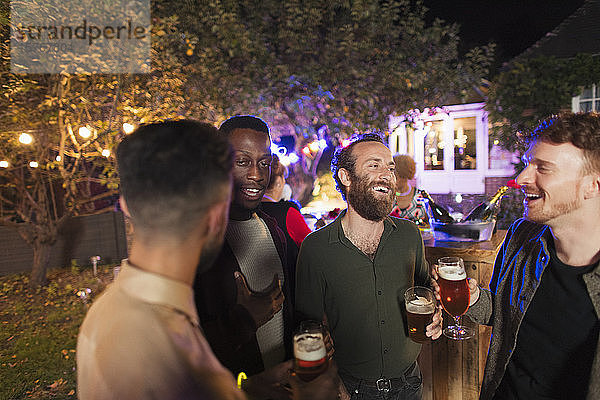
[463, 231]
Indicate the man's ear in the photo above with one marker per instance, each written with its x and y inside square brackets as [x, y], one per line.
[344, 176]
[592, 186]
[124, 208]
[216, 218]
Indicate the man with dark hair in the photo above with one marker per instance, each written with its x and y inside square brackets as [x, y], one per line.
[244, 303]
[544, 297]
[141, 338]
[353, 273]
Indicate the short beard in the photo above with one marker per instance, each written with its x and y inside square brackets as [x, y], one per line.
[363, 201]
[558, 210]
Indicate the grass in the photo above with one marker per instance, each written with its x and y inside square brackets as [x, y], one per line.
[38, 333]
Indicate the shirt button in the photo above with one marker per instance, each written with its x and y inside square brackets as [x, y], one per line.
[379, 292]
[382, 321]
[385, 351]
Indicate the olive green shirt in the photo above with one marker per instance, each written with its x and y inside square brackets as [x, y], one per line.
[363, 299]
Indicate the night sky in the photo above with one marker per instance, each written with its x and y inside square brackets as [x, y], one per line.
[513, 25]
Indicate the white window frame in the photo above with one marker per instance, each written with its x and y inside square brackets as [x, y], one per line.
[576, 101]
[448, 180]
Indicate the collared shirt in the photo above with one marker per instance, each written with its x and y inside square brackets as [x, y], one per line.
[141, 340]
[363, 299]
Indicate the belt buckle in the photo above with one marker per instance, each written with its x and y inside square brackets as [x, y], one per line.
[383, 385]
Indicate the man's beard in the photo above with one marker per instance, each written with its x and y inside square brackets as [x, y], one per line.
[361, 198]
[554, 212]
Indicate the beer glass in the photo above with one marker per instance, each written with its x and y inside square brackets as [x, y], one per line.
[420, 307]
[454, 291]
[310, 355]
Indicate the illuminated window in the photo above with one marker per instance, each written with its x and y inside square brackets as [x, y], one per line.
[465, 140]
[433, 155]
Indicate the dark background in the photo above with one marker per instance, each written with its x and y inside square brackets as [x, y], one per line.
[512, 24]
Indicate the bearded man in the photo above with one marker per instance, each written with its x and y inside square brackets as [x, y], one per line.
[353, 273]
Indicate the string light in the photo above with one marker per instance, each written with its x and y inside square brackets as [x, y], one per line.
[33, 164]
[25, 138]
[58, 158]
[314, 147]
[84, 132]
[106, 153]
[128, 128]
[3, 164]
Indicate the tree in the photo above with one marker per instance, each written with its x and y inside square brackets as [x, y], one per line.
[74, 123]
[315, 70]
[323, 69]
[529, 90]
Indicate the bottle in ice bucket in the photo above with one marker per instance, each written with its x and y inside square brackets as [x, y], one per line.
[438, 213]
[489, 209]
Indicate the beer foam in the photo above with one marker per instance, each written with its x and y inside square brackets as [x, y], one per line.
[452, 273]
[420, 305]
[309, 346]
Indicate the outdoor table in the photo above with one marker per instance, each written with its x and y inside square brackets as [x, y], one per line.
[453, 369]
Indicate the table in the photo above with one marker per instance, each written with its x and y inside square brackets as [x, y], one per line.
[454, 369]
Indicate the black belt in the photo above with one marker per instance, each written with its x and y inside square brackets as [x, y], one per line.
[382, 384]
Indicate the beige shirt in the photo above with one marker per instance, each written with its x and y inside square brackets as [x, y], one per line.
[141, 340]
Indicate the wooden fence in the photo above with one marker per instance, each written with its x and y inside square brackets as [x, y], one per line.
[82, 237]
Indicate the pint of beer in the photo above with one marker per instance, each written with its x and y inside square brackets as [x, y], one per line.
[310, 355]
[420, 307]
[454, 288]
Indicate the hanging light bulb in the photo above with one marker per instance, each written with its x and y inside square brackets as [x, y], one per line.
[128, 128]
[58, 158]
[106, 153]
[33, 164]
[25, 138]
[3, 164]
[85, 132]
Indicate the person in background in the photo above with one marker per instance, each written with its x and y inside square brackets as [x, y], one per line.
[287, 213]
[543, 300]
[351, 273]
[406, 193]
[141, 338]
[244, 301]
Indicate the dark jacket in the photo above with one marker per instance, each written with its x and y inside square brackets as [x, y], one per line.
[228, 327]
[517, 272]
[279, 210]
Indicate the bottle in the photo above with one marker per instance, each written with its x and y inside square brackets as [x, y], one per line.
[438, 213]
[488, 209]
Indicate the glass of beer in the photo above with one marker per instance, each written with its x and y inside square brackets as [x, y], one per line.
[420, 307]
[310, 355]
[454, 291]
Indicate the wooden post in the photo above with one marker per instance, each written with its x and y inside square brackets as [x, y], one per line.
[453, 370]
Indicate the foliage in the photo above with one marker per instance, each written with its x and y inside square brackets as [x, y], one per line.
[73, 175]
[39, 332]
[532, 89]
[312, 68]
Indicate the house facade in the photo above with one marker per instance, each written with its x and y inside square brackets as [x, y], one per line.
[452, 149]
